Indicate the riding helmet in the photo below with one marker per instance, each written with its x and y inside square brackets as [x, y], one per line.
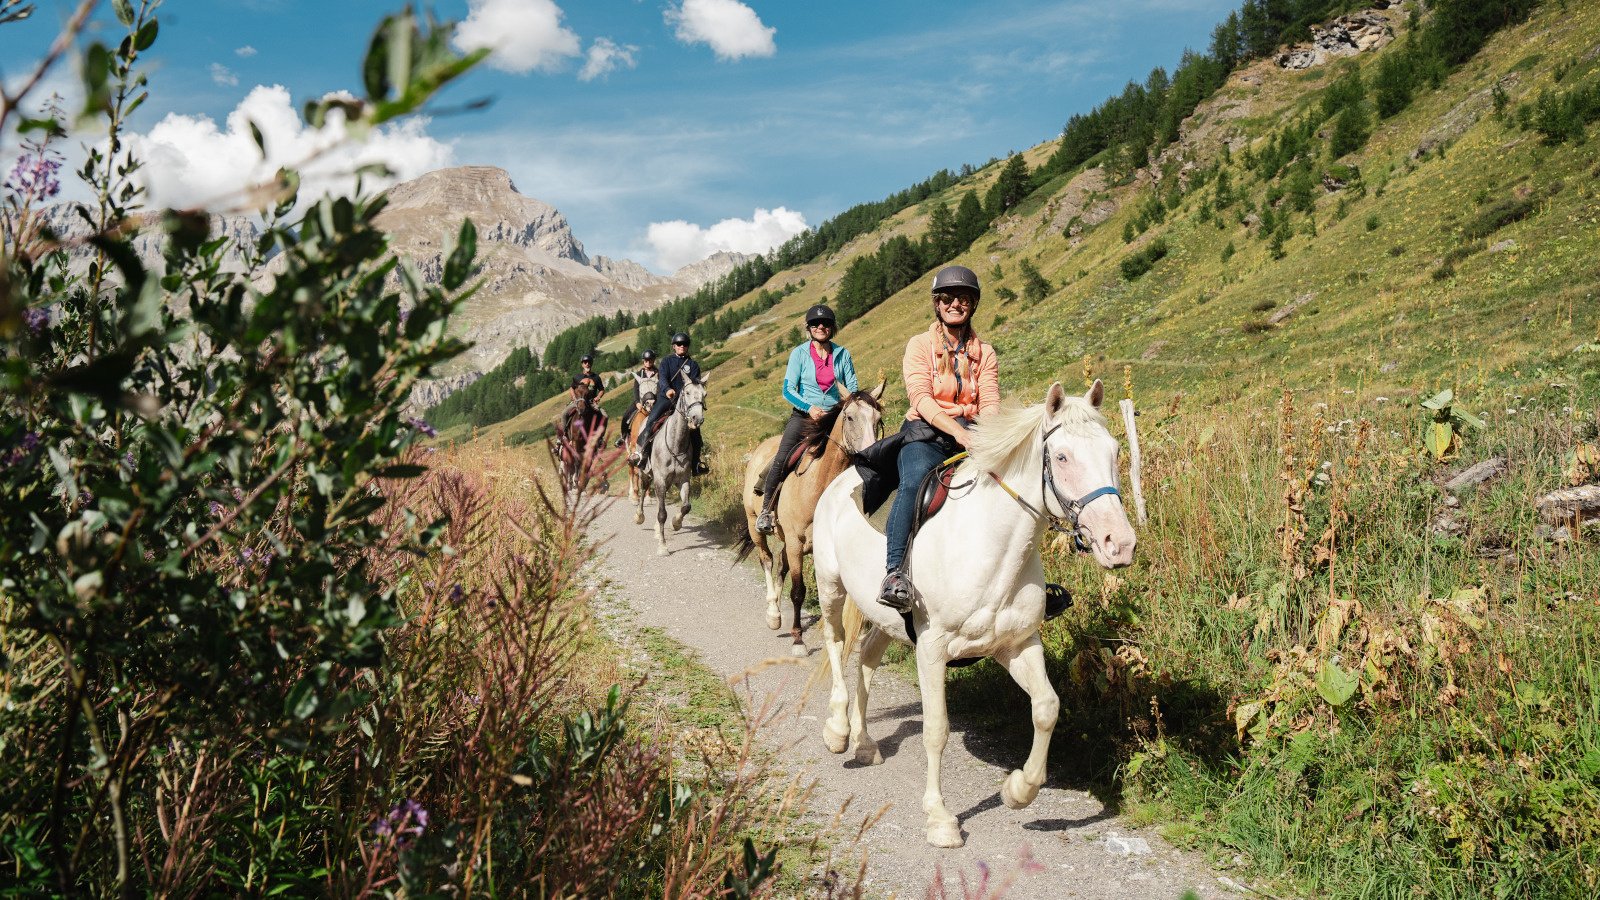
[587, 358]
[956, 277]
[681, 338]
[820, 313]
[648, 355]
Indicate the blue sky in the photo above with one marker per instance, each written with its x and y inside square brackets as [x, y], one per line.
[727, 107]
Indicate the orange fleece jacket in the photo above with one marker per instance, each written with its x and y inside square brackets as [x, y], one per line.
[931, 383]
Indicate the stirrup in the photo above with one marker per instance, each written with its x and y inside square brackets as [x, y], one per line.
[764, 523]
[700, 468]
[897, 591]
[1056, 600]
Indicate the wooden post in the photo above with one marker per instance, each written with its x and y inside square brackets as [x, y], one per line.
[1133, 467]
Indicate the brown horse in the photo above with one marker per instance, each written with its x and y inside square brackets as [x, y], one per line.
[580, 444]
[828, 445]
[647, 399]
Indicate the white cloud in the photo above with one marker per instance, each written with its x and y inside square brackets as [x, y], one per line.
[678, 243]
[246, 51]
[731, 28]
[605, 56]
[524, 34]
[222, 75]
[189, 161]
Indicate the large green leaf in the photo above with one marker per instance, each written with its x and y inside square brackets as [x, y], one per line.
[1335, 685]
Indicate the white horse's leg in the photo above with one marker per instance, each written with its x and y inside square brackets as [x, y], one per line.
[872, 647]
[836, 731]
[637, 474]
[943, 829]
[683, 504]
[1027, 666]
[661, 520]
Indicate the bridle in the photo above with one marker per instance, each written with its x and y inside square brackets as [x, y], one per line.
[1067, 522]
[850, 453]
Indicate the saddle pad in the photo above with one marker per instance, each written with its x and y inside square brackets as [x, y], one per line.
[935, 489]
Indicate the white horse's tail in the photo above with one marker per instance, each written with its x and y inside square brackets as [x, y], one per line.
[854, 624]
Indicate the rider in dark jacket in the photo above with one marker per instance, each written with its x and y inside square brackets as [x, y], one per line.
[674, 369]
[647, 370]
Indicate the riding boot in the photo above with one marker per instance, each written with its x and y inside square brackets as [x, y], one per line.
[897, 591]
[696, 465]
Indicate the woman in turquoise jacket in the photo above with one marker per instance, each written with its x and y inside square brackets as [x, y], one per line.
[817, 371]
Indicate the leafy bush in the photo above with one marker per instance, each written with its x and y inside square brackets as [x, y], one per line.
[259, 641]
[1373, 222]
[1499, 215]
[1139, 263]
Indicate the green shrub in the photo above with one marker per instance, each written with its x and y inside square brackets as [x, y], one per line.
[1498, 215]
[1139, 263]
[1373, 222]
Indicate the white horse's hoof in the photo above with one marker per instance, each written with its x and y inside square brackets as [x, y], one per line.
[945, 834]
[774, 619]
[1015, 791]
[663, 551]
[677, 523]
[799, 650]
[867, 754]
[836, 739]
[638, 519]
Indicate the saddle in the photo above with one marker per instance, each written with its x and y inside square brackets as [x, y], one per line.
[934, 490]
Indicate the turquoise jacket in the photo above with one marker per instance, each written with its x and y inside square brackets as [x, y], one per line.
[800, 381]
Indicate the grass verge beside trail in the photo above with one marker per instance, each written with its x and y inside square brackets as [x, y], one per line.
[1327, 666]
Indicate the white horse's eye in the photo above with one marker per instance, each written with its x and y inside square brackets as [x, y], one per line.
[1061, 457]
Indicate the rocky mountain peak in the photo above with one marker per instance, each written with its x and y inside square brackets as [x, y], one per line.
[486, 195]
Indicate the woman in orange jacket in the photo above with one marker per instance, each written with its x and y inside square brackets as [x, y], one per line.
[951, 376]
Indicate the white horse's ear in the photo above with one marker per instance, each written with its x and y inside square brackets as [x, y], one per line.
[877, 392]
[704, 379]
[1054, 400]
[1096, 394]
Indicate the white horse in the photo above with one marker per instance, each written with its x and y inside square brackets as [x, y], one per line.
[980, 588]
[668, 465]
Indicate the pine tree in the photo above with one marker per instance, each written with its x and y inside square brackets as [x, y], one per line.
[1350, 130]
[942, 234]
[1014, 184]
[1035, 286]
[971, 222]
[1301, 190]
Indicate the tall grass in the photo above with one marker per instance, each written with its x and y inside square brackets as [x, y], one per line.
[1310, 667]
[496, 748]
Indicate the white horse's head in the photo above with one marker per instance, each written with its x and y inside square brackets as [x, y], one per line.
[1082, 457]
[859, 415]
[692, 401]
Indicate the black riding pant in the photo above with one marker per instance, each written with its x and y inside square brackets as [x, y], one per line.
[792, 430]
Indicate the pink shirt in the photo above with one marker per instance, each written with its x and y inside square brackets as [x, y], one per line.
[824, 367]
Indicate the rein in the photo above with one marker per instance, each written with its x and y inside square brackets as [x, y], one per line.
[1067, 522]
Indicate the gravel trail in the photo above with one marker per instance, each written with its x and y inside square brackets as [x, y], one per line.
[698, 597]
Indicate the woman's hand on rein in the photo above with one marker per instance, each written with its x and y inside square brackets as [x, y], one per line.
[816, 412]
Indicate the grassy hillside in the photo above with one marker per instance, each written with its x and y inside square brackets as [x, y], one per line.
[1324, 666]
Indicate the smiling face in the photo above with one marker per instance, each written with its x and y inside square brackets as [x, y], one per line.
[1083, 458]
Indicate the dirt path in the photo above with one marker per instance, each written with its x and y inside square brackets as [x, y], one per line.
[704, 602]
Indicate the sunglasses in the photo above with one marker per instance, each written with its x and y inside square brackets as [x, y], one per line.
[820, 325]
[957, 301]
[681, 344]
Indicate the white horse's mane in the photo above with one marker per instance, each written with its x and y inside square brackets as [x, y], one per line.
[1006, 441]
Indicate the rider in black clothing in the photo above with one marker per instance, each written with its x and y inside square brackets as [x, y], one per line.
[673, 370]
[648, 370]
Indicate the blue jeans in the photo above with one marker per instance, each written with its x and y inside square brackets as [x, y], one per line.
[916, 459]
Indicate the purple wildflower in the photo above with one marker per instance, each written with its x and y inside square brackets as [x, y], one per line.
[422, 426]
[127, 459]
[85, 497]
[245, 554]
[407, 819]
[216, 508]
[36, 320]
[30, 441]
[457, 595]
[405, 315]
[34, 176]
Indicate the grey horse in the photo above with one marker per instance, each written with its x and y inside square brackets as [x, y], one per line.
[668, 465]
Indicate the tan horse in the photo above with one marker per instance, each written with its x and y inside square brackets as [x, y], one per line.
[830, 442]
[647, 399]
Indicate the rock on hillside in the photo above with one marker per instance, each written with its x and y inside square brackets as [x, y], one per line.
[537, 279]
[711, 268]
